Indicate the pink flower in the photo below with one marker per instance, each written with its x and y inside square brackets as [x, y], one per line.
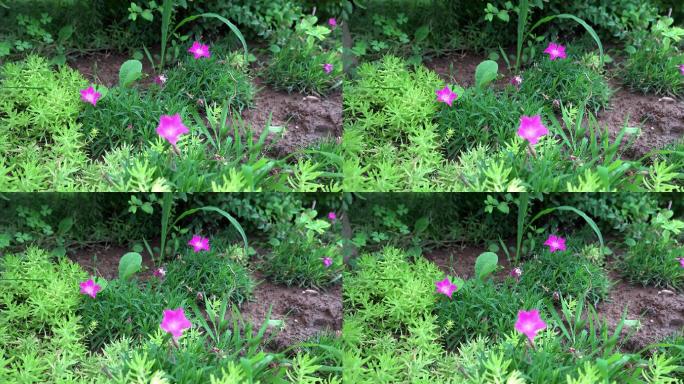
[446, 287]
[445, 95]
[199, 243]
[175, 322]
[555, 51]
[171, 127]
[199, 50]
[90, 95]
[332, 22]
[332, 216]
[529, 323]
[159, 273]
[327, 262]
[160, 80]
[531, 128]
[681, 261]
[516, 273]
[516, 81]
[90, 288]
[328, 68]
[555, 243]
[681, 69]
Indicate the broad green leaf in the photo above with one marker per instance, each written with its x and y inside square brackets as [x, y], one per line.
[65, 225]
[129, 264]
[485, 264]
[485, 73]
[129, 72]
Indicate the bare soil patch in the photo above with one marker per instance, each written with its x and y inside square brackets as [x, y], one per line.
[103, 68]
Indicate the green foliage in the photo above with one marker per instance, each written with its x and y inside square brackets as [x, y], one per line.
[40, 143]
[126, 308]
[568, 82]
[41, 338]
[653, 251]
[297, 253]
[299, 64]
[569, 275]
[210, 81]
[129, 264]
[213, 275]
[129, 72]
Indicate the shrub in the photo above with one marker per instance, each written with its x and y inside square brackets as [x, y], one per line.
[568, 82]
[127, 309]
[127, 116]
[41, 338]
[214, 274]
[298, 251]
[209, 81]
[299, 65]
[483, 117]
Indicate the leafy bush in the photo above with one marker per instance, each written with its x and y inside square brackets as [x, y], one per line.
[653, 252]
[299, 65]
[125, 308]
[212, 274]
[209, 81]
[570, 275]
[41, 338]
[568, 82]
[298, 252]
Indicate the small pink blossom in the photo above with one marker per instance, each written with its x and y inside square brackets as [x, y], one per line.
[529, 323]
[516, 273]
[445, 95]
[555, 51]
[328, 68]
[681, 69]
[531, 128]
[171, 127]
[516, 81]
[199, 243]
[175, 322]
[199, 50]
[327, 262]
[681, 261]
[90, 95]
[160, 80]
[332, 216]
[446, 287]
[332, 22]
[555, 243]
[90, 288]
[159, 273]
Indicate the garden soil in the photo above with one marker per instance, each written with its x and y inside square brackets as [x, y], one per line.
[660, 312]
[305, 312]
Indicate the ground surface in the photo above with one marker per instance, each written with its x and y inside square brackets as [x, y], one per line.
[306, 118]
[661, 119]
[661, 312]
[306, 312]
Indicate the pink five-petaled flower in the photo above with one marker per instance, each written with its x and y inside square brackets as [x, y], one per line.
[199, 50]
[681, 261]
[529, 323]
[516, 273]
[681, 69]
[175, 322]
[171, 127]
[516, 81]
[555, 243]
[332, 216]
[90, 95]
[90, 288]
[555, 51]
[445, 95]
[199, 243]
[160, 80]
[531, 128]
[332, 22]
[159, 273]
[327, 68]
[446, 287]
[327, 262]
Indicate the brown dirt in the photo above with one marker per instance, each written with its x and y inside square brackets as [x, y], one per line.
[306, 313]
[660, 312]
[460, 68]
[661, 119]
[306, 119]
[103, 68]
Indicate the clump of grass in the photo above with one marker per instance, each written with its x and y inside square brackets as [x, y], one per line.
[654, 70]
